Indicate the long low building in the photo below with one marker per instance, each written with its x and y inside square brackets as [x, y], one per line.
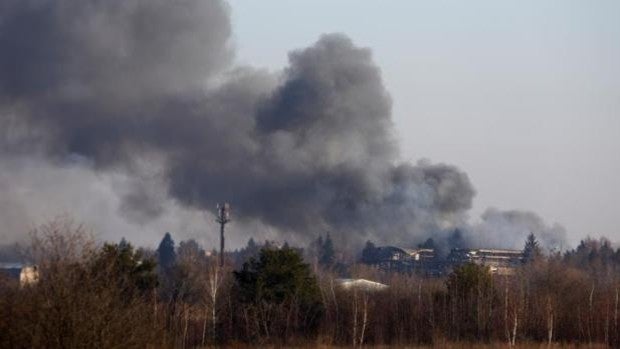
[425, 261]
[499, 261]
[391, 258]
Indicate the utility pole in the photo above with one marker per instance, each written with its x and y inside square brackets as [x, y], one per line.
[223, 217]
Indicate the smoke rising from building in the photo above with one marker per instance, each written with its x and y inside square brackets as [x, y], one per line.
[148, 90]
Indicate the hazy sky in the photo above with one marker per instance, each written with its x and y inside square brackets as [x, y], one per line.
[524, 96]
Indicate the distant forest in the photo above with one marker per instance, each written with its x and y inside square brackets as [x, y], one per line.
[110, 295]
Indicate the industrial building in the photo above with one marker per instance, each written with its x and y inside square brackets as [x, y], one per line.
[499, 261]
[425, 261]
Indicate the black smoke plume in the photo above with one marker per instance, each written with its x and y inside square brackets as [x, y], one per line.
[148, 89]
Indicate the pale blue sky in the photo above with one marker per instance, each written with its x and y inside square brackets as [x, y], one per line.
[523, 95]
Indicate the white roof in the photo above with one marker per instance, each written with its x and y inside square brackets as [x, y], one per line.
[362, 284]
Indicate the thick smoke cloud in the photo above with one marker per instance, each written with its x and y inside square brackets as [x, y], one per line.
[510, 228]
[124, 49]
[148, 90]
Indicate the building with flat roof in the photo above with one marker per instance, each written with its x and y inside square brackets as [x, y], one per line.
[425, 261]
[499, 261]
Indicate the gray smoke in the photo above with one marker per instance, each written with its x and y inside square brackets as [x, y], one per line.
[69, 50]
[147, 90]
[510, 228]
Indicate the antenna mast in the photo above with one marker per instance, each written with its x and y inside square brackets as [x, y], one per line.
[223, 217]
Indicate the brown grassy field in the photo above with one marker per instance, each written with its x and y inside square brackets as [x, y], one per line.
[445, 345]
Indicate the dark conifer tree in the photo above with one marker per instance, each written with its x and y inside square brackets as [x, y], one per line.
[531, 250]
[252, 246]
[278, 281]
[166, 256]
[123, 244]
[429, 243]
[456, 240]
[369, 253]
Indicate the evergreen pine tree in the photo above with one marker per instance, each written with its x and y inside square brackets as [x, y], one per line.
[279, 279]
[123, 244]
[166, 257]
[252, 246]
[369, 252]
[456, 240]
[429, 243]
[532, 250]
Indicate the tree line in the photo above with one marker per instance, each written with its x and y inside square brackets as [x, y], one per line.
[114, 295]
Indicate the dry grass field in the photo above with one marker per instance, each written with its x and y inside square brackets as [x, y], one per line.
[445, 345]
